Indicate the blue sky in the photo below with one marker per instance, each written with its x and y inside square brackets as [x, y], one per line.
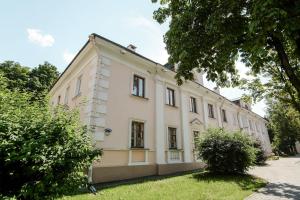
[35, 31]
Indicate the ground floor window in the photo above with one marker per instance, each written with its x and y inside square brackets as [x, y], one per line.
[172, 138]
[137, 134]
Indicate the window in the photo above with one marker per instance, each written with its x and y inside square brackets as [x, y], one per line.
[58, 100]
[211, 111]
[193, 105]
[78, 86]
[196, 138]
[224, 115]
[138, 86]
[250, 124]
[170, 97]
[67, 95]
[137, 134]
[172, 138]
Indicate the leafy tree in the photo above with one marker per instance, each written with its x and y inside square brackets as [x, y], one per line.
[43, 152]
[42, 77]
[284, 123]
[37, 80]
[210, 35]
[17, 76]
[226, 152]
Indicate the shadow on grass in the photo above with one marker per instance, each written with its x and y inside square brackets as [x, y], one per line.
[102, 186]
[245, 181]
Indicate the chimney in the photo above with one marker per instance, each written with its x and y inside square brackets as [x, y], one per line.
[217, 90]
[198, 77]
[131, 47]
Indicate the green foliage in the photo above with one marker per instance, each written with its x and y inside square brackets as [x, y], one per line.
[226, 152]
[260, 157]
[37, 80]
[284, 123]
[43, 152]
[211, 35]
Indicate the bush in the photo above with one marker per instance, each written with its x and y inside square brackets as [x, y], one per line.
[226, 152]
[260, 158]
[42, 153]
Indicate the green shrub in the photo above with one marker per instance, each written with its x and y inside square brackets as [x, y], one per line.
[43, 153]
[260, 157]
[226, 152]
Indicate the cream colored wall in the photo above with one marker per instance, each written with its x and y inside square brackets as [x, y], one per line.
[122, 108]
[85, 68]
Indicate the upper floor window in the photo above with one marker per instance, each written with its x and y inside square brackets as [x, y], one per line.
[211, 111]
[67, 95]
[58, 100]
[78, 86]
[224, 118]
[193, 105]
[250, 124]
[137, 134]
[170, 97]
[138, 86]
[172, 138]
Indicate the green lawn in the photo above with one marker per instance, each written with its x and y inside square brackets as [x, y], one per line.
[193, 186]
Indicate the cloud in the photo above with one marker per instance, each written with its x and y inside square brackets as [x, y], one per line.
[35, 36]
[67, 56]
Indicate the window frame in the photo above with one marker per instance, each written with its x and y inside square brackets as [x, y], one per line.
[78, 86]
[211, 113]
[138, 77]
[66, 100]
[193, 105]
[133, 136]
[170, 144]
[170, 99]
[224, 115]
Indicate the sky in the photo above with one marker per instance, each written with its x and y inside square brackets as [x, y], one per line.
[35, 31]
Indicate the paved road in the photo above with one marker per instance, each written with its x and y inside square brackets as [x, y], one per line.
[283, 176]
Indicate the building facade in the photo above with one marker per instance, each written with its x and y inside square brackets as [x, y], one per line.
[145, 123]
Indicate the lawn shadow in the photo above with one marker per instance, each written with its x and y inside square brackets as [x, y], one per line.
[244, 181]
[109, 185]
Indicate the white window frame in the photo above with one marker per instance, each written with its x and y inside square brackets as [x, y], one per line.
[146, 83]
[192, 108]
[213, 111]
[167, 95]
[66, 100]
[78, 86]
[145, 149]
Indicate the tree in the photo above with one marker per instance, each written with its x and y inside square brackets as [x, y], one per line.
[43, 152]
[37, 80]
[284, 123]
[17, 76]
[42, 77]
[210, 35]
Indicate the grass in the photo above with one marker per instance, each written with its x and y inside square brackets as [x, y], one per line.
[199, 185]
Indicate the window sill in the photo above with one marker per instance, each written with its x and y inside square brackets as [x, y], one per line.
[138, 148]
[174, 149]
[171, 106]
[194, 112]
[140, 97]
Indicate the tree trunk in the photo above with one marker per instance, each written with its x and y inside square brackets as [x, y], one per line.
[285, 65]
